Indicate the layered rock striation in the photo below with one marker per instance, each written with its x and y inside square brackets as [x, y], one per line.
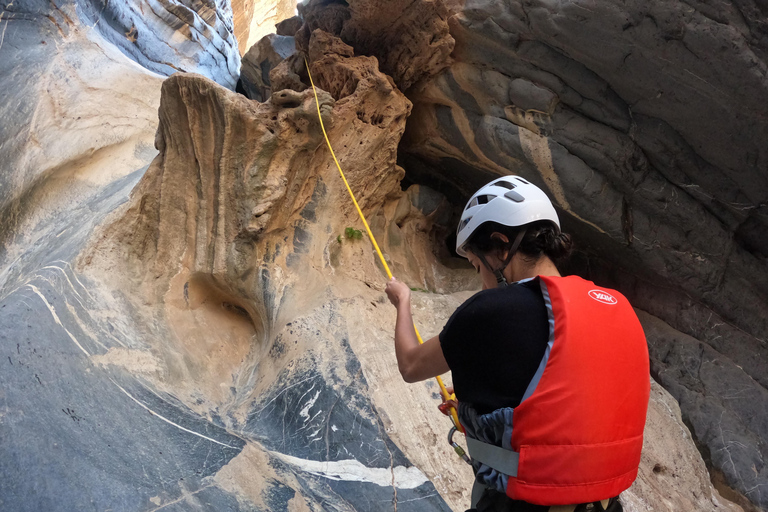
[169, 35]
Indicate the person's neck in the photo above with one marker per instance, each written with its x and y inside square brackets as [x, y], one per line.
[520, 268]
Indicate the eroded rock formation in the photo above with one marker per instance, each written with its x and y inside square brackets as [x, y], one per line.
[226, 248]
[410, 39]
[259, 61]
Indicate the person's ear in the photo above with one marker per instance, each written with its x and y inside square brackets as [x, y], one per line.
[499, 236]
[502, 241]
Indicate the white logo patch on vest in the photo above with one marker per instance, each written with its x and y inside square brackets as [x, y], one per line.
[602, 296]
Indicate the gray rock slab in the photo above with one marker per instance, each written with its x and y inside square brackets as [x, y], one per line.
[726, 408]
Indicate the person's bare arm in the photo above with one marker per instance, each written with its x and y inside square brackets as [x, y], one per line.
[416, 362]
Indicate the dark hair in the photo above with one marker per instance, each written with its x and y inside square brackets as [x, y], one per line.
[542, 238]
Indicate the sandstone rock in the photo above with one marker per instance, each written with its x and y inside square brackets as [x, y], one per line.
[265, 198]
[410, 39]
[374, 110]
[255, 19]
[259, 61]
[289, 74]
[289, 27]
[326, 16]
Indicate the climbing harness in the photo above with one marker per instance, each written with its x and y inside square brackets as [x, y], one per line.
[446, 396]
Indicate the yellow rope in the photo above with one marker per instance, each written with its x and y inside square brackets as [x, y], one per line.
[443, 389]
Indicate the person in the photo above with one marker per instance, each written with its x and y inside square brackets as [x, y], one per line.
[551, 373]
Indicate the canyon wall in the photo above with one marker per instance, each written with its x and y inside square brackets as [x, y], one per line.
[185, 322]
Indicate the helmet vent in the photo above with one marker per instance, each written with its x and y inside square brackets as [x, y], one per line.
[484, 199]
[463, 224]
[505, 184]
[521, 180]
[514, 196]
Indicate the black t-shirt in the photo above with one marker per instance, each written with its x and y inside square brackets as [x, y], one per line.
[493, 344]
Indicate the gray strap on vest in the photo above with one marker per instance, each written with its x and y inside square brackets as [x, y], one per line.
[496, 457]
[477, 492]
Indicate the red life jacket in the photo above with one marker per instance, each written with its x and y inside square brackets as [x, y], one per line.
[580, 433]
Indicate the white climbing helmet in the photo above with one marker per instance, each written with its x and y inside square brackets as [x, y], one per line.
[510, 201]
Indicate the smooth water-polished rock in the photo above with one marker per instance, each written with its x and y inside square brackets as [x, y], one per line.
[166, 36]
[254, 20]
[80, 86]
[77, 114]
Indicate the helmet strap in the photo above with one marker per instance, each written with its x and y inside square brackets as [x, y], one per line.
[501, 281]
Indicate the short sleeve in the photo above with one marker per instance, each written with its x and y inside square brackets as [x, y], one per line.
[493, 344]
[461, 326]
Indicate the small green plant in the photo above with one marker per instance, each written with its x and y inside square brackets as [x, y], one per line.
[419, 290]
[353, 233]
[338, 238]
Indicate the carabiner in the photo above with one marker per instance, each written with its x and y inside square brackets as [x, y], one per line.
[458, 449]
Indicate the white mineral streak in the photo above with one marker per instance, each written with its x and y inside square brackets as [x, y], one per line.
[141, 404]
[352, 470]
[304, 413]
[135, 361]
[56, 317]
